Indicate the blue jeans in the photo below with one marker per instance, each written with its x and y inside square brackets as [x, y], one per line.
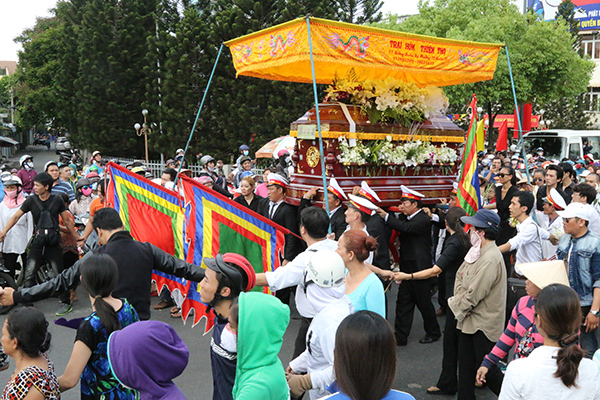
[589, 341]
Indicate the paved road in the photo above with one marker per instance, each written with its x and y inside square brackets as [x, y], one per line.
[418, 364]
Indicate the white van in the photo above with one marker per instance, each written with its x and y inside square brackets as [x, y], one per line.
[563, 143]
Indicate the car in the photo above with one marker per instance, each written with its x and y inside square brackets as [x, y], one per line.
[62, 144]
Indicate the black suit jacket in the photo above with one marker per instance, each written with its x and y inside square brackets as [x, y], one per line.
[415, 241]
[378, 229]
[285, 215]
[337, 220]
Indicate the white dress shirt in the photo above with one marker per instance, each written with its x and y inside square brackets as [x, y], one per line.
[528, 242]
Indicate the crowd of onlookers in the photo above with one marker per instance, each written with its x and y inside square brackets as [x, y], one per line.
[521, 275]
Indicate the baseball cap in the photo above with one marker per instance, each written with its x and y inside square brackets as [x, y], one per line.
[483, 219]
[576, 210]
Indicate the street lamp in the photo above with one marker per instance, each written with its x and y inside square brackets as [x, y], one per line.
[145, 130]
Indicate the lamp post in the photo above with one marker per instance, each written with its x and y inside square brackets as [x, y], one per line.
[145, 130]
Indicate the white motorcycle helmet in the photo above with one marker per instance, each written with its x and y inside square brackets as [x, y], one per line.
[11, 180]
[325, 268]
[24, 158]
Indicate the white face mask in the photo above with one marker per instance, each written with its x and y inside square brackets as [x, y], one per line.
[475, 250]
[29, 165]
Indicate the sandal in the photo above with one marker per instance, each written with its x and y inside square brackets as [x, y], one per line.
[176, 314]
[437, 391]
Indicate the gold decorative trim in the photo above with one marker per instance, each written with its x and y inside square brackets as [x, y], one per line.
[382, 136]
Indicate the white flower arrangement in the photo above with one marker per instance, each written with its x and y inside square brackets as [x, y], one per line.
[388, 100]
[386, 152]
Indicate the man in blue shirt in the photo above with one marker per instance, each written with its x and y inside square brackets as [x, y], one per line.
[581, 251]
[59, 185]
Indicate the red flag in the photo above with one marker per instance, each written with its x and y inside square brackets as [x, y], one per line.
[526, 118]
[502, 143]
[516, 124]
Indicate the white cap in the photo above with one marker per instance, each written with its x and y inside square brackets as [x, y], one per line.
[362, 204]
[276, 179]
[555, 199]
[411, 194]
[336, 189]
[544, 273]
[369, 193]
[576, 210]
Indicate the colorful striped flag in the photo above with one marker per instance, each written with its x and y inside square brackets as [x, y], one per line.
[192, 223]
[468, 183]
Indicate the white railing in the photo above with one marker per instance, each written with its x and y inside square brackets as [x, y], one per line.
[157, 167]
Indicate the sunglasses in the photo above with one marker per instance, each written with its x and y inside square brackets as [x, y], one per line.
[500, 175]
[567, 220]
[538, 179]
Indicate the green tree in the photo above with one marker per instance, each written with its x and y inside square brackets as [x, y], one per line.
[545, 67]
[360, 11]
[569, 112]
[38, 65]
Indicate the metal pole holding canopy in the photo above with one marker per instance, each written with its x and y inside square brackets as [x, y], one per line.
[312, 67]
[187, 145]
[521, 142]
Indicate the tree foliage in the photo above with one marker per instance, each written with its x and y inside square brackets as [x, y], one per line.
[93, 66]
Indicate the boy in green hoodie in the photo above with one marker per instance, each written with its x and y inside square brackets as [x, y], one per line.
[260, 321]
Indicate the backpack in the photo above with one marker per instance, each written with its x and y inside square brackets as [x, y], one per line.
[46, 230]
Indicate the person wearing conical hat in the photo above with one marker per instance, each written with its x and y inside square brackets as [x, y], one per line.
[521, 330]
[337, 210]
[414, 228]
[275, 208]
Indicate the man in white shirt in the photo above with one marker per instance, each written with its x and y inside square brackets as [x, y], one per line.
[528, 241]
[314, 224]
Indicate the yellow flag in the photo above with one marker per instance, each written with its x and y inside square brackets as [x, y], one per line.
[480, 136]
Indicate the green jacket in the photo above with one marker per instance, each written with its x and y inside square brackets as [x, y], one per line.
[262, 321]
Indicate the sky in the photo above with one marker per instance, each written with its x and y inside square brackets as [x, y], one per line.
[19, 15]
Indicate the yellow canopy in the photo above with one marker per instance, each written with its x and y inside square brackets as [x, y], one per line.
[282, 53]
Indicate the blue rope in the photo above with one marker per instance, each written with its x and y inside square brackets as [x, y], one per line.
[187, 145]
[312, 67]
[521, 142]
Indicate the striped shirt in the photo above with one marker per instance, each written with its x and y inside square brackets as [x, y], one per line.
[520, 324]
[63, 187]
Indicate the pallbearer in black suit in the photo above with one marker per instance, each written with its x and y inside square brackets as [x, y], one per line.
[277, 210]
[414, 228]
[337, 216]
[335, 195]
[377, 228]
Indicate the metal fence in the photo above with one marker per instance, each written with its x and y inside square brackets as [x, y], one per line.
[156, 166]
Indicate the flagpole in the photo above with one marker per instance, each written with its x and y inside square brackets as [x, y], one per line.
[187, 145]
[521, 142]
[312, 68]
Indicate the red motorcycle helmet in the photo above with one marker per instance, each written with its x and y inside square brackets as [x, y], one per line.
[243, 277]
